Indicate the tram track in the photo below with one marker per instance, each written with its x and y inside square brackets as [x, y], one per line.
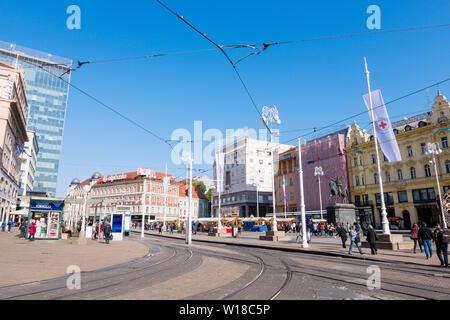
[125, 270]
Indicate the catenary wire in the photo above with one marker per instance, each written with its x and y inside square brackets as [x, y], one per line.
[226, 56]
[363, 112]
[105, 105]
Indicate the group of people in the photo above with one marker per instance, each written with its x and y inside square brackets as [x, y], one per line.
[8, 225]
[423, 237]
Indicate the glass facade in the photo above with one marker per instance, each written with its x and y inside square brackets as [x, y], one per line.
[47, 98]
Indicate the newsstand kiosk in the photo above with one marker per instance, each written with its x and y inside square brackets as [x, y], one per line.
[47, 213]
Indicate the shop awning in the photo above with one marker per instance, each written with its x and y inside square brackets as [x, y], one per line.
[23, 213]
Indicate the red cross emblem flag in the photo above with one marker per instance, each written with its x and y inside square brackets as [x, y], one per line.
[383, 127]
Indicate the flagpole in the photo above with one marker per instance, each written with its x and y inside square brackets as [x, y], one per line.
[285, 195]
[165, 186]
[384, 220]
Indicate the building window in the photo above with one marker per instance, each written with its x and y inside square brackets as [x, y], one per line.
[447, 166]
[292, 196]
[412, 171]
[291, 182]
[384, 158]
[358, 200]
[408, 128]
[281, 198]
[444, 142]
[357, 180]
[362, 181]
[395, 131]
[399, 175]
[402, 196]
[374, 159]
[360, 161]
[409, 150]
[427, 170]
[375, 178]
[355, 162]
[388, 176]
[422, 124]
[423, 148]
[443, 117]
[365, 199]
[424, 195]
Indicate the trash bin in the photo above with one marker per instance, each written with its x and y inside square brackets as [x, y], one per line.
[234, 232]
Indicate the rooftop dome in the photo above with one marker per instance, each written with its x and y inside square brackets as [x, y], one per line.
[75, 181]
[96, 175]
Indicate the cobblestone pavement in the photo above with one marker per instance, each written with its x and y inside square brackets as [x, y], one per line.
[216, 271]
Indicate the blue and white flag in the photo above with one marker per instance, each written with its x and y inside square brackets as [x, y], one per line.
[383, 127]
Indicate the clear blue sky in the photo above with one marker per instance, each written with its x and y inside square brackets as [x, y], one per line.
[312, 84]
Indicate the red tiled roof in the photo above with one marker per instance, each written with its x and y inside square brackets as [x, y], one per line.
[5, 65]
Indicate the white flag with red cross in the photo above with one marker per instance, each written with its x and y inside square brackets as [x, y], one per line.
[383, 127]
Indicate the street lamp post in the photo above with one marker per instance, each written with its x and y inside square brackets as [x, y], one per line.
[270, 115]
[318, 172]
[189, 160]
[257, 200]
[302, 196]
[433, 149]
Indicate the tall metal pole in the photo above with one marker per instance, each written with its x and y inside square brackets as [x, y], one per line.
[274, 223]
[286, 195]
[444, 223]
[257, 202]
[189, 224]
[165, 186]
[384, 220]
[320, 200]
[143, 209]
[302, 196]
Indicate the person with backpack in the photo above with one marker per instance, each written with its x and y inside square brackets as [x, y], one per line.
[107, 232]
[354, 239]
[426, 236]
[441, 240]
[23, 229]
[415, 237]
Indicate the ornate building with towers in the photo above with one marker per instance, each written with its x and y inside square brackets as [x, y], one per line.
[410, 186]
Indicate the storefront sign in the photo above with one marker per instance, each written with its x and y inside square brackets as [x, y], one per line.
[46, 205]
[146, 172]
[114, 177]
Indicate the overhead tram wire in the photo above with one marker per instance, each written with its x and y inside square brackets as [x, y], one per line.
[364, 112]
[233, 64]
[259, 47]
[105, 105]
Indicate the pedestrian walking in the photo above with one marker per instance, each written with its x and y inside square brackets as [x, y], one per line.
[371, 239]
[315, 225]
[10, 224]
[342, 234]
[441, 237]
[426, 236]
[354, 239]
[107, 232]
[160, 228]
[23, 229]
[3, 226]
[415, 237]
[32, 230]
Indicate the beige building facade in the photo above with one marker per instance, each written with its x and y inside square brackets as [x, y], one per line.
[13, 134]
[410, 187]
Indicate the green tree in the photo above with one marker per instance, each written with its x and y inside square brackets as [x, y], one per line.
[209, 194]
[200, 185]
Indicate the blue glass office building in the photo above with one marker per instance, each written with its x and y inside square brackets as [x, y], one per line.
[47, 97]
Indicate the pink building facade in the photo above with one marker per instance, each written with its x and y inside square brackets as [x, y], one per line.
[328, 153]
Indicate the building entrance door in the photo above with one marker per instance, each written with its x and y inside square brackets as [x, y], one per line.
[406, 219]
